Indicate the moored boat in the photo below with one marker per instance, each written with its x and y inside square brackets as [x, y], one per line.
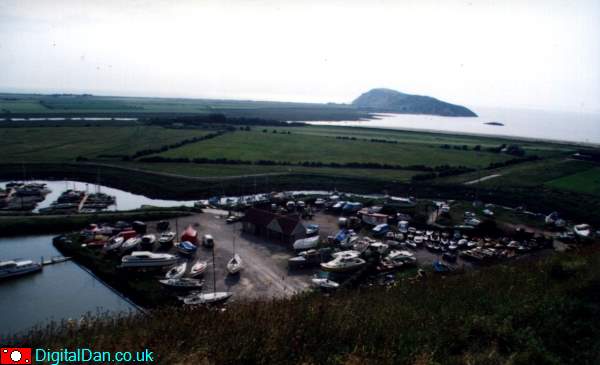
[207, 298]
[235, 265]
[343, 264]
[183, 283]
[198, 268]
[142, 259]
[176, 271]
[186, 247]
[166, 238]
[18, 267]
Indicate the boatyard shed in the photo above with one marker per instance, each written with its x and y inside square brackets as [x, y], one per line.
[281, 228]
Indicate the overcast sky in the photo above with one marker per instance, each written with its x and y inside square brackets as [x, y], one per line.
[543, 54]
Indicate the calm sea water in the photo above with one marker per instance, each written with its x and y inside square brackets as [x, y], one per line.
[60, 291]
[523, 123]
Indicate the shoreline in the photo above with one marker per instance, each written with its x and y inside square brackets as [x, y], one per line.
[458, 133]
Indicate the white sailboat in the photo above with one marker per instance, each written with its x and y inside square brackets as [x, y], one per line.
[235, 265]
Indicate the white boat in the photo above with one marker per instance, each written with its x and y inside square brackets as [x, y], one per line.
[198, 268]
[235, 265]
[166, 238]
[148, 259]
[207, 298]
[325, 283]
[582, 230]
[130, 244]
[378, 247]
[402, 256]
[343, 264]
[306, 243]
[18, 267]
[346, 254]
[114, 243]
[176, 271]
[148, 241]
[182, 283]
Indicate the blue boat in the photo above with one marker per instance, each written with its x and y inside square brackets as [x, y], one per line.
[380, 230]
[440, 267]
[351, 207]
[186, 247]
[341, 235]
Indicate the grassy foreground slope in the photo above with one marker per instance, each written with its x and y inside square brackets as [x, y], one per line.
[537, 312]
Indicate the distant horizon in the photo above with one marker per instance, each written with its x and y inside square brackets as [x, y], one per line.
[473, 107]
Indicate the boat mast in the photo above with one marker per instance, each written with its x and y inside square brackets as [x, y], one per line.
[214, 275]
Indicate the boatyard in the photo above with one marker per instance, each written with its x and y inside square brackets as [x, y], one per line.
[279, 244]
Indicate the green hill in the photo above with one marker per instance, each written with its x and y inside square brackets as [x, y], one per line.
[391, 101]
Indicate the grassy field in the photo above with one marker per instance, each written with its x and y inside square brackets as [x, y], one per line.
[530, 174]
[210, 171]
[302, 145]
[587, 182]
[21, 105]
[66, 143]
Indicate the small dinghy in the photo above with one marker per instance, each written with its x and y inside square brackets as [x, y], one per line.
[176, 271]
[182, 283]
[325, 283]
[198, 268]
[235, 265]
[166, 238]
[186, 247]
[207, 298]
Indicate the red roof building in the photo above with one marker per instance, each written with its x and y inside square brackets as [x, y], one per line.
[276, 227]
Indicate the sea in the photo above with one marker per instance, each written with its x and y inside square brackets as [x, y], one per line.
[534, 124]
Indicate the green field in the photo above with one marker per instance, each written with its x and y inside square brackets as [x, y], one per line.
[587, 182]
[32, 105]
[54, 144]
[301, 145]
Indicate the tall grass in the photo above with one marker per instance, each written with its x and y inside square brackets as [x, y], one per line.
[544, 312]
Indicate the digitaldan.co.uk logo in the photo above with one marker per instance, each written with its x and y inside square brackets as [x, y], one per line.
[15, 355]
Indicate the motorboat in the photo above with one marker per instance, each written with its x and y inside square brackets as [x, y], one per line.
[450, 257]
[403, 254]
[207, 298]
[18, 267]
[130, 244]
[235, 265]
[166, 238]
[114, 243]
[312, 229]
[345, 254]
[306, 243]
[186, 247]
[307, 257]
[183, 283]
[198, 268]
[176, 271]
[378, 247]
[148, 241]
[582, 230]
[343, 264]
[325, 283]
[148, 259]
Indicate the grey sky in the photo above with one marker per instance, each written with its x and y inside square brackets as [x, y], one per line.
[543, 54]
